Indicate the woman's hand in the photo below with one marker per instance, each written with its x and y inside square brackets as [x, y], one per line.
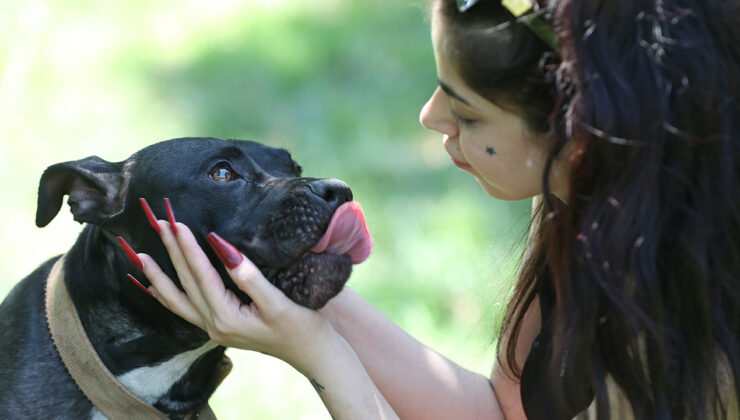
[271, 324]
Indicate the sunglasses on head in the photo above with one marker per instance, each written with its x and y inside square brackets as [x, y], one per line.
[524, 12]
[516, 7]
[464, 5]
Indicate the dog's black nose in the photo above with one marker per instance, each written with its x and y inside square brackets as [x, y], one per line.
[333, 191]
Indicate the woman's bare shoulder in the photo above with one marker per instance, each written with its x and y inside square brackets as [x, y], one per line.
[505, 383]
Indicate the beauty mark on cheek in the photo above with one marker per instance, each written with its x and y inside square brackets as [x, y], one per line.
[490, 151]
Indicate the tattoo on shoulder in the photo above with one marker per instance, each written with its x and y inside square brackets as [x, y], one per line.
[490, 151]
[317, 385]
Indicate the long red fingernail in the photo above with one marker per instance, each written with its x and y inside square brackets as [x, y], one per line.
[227, 253]
[139, 285]
[150, 215]
[170, 215]
[130, 252]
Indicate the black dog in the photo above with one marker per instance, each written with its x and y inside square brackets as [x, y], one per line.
[251, 194]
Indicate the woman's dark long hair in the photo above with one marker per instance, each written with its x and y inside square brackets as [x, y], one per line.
[643, 256]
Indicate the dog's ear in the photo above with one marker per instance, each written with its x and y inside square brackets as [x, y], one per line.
[95, 188]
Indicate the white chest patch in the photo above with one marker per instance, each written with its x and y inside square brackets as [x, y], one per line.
[151, 382]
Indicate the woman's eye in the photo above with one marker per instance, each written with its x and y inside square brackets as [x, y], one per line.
[461, 120]
[222, 174]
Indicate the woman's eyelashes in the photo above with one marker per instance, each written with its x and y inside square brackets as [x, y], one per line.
[463, 121]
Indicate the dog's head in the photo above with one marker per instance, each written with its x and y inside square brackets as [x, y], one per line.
[251, 194]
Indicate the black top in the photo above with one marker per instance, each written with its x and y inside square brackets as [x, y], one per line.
[536, 389]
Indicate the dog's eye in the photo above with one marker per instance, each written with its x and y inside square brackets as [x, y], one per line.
[222, 174]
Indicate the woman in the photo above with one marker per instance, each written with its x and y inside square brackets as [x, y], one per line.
[628, 300]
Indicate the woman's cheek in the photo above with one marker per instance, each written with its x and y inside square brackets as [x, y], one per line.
[474, 151]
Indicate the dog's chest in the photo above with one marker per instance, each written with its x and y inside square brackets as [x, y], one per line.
[150, 383]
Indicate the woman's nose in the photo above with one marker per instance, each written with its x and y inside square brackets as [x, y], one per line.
[436, 115]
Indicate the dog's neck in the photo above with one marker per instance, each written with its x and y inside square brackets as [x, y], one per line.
[143, 344]
[115, 314]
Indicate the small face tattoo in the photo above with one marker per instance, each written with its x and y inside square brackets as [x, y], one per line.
[490, 151]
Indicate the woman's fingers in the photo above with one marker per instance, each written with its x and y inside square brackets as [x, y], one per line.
[226, 318]
[168, 294]
[182, 266]
[268, 299]
[167, 232]
[210, 286]
[244, 273]
[206, 302]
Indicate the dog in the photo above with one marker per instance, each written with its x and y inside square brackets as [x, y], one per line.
[251, 194]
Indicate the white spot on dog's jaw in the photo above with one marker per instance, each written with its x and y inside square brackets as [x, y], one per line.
[150, 383]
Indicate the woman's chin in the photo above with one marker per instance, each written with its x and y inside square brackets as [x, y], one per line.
[499, 194]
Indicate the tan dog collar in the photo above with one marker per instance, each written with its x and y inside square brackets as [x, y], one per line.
[98, 384]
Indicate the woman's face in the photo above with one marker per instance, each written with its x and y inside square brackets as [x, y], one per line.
[492, 144]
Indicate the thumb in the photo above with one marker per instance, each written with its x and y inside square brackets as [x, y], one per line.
[247, 277]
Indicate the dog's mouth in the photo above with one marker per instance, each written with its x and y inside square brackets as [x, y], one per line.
[321, 272]
[346, 234]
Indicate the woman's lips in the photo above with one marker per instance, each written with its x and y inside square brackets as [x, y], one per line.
[461, 165]
[451, 147]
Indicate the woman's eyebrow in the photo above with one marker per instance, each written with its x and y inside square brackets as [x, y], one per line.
[451, 93]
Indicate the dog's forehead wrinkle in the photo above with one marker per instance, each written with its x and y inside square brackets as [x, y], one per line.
[270, 181]
[276, 162]
[233, 151]
[163, 155]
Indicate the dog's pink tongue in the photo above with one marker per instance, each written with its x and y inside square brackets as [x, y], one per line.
[347, 234]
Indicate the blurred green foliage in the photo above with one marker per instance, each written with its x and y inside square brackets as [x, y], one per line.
[338, 83]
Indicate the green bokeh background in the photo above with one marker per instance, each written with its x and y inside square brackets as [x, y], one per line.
[338, 83]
